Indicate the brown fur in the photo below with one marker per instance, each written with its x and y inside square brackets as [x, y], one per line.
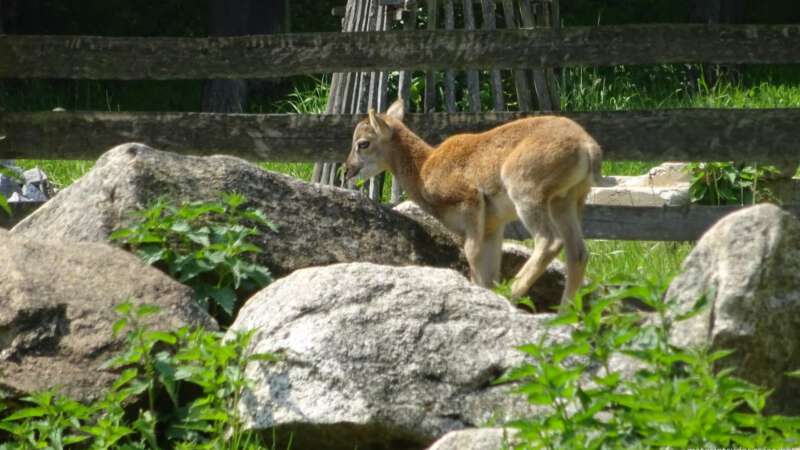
[537, 169]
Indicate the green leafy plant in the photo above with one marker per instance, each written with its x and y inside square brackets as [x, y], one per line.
[503, 288]
[4, 205]
[726, 183]
[675, 398]
[206, 245]
[155, 365]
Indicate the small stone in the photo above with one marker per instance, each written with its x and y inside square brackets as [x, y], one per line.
[33, 194]
[35, 176]
[477, 439]
[11, 165]
[8, 186]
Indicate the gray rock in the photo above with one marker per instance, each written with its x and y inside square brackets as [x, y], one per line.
[546, 292]
[35, 176]
[12, 166]
[8, 186]
[413, 211]
[32, 194]
[56, 312]
[318, 224]
[37, 179]
[749, 266]
[476, 439]
[382, 357]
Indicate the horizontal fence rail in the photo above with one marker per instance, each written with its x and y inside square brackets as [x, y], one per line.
[686, 223]
[768, 135]
[135, 58]
[638, 223]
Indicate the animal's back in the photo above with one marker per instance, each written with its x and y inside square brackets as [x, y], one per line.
[467, 164]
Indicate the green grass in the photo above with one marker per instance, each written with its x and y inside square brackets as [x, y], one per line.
[301, 171]
[61, 173]
[645, 259]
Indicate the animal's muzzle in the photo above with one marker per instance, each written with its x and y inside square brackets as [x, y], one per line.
[352, 171]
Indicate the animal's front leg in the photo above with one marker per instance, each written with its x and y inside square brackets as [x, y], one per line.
[484, 253]
[491, 255]
[474, 249]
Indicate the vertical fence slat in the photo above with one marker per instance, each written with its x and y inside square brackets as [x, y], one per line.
[490, 23]
[449, 75]
[544, 18]
[377, 23]
[404, 90]
[473, 80]
[430, 76]
[338, 81]
[521, 83]
[539, 78]
[556, 14]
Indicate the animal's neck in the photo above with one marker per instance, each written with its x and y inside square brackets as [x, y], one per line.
[406, 163]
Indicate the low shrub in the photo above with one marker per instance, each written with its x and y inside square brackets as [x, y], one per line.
[727, 183]
[675, 398]
[206, 245]
[4, 205]
[163, 367]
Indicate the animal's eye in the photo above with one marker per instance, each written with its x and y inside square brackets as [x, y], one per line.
[363, 145]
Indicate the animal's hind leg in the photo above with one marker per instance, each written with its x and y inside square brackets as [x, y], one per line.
[546, 247]
[564, 212]
[483, 249]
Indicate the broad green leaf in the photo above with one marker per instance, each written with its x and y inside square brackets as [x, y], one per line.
[146, 309]
[123, 308]
[225, 298]
[161, 336]
[152, 254]
[126, 376]
[118, 326]
[26, 413]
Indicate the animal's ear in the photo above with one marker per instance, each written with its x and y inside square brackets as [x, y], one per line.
[397, 110]
[379, 125]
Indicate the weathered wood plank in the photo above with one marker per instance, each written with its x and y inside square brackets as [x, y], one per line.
[683, 135]
[544, 17]
[628, 223]
[488, 8]
[404, 89]
[430, 76]
[520, 76]
[127, 58]
[449, 75]
[543, 94]
[473, 80]
[633, 223]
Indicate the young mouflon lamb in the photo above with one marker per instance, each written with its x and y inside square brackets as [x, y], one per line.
[537, 169]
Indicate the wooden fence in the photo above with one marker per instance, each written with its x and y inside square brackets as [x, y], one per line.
[769, 135]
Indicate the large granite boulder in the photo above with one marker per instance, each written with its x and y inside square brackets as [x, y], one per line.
[56, 312]
[477, 439]
[748, 266]
[382, 357]
[317, 224]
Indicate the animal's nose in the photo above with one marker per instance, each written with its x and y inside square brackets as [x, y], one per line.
[351, 171]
